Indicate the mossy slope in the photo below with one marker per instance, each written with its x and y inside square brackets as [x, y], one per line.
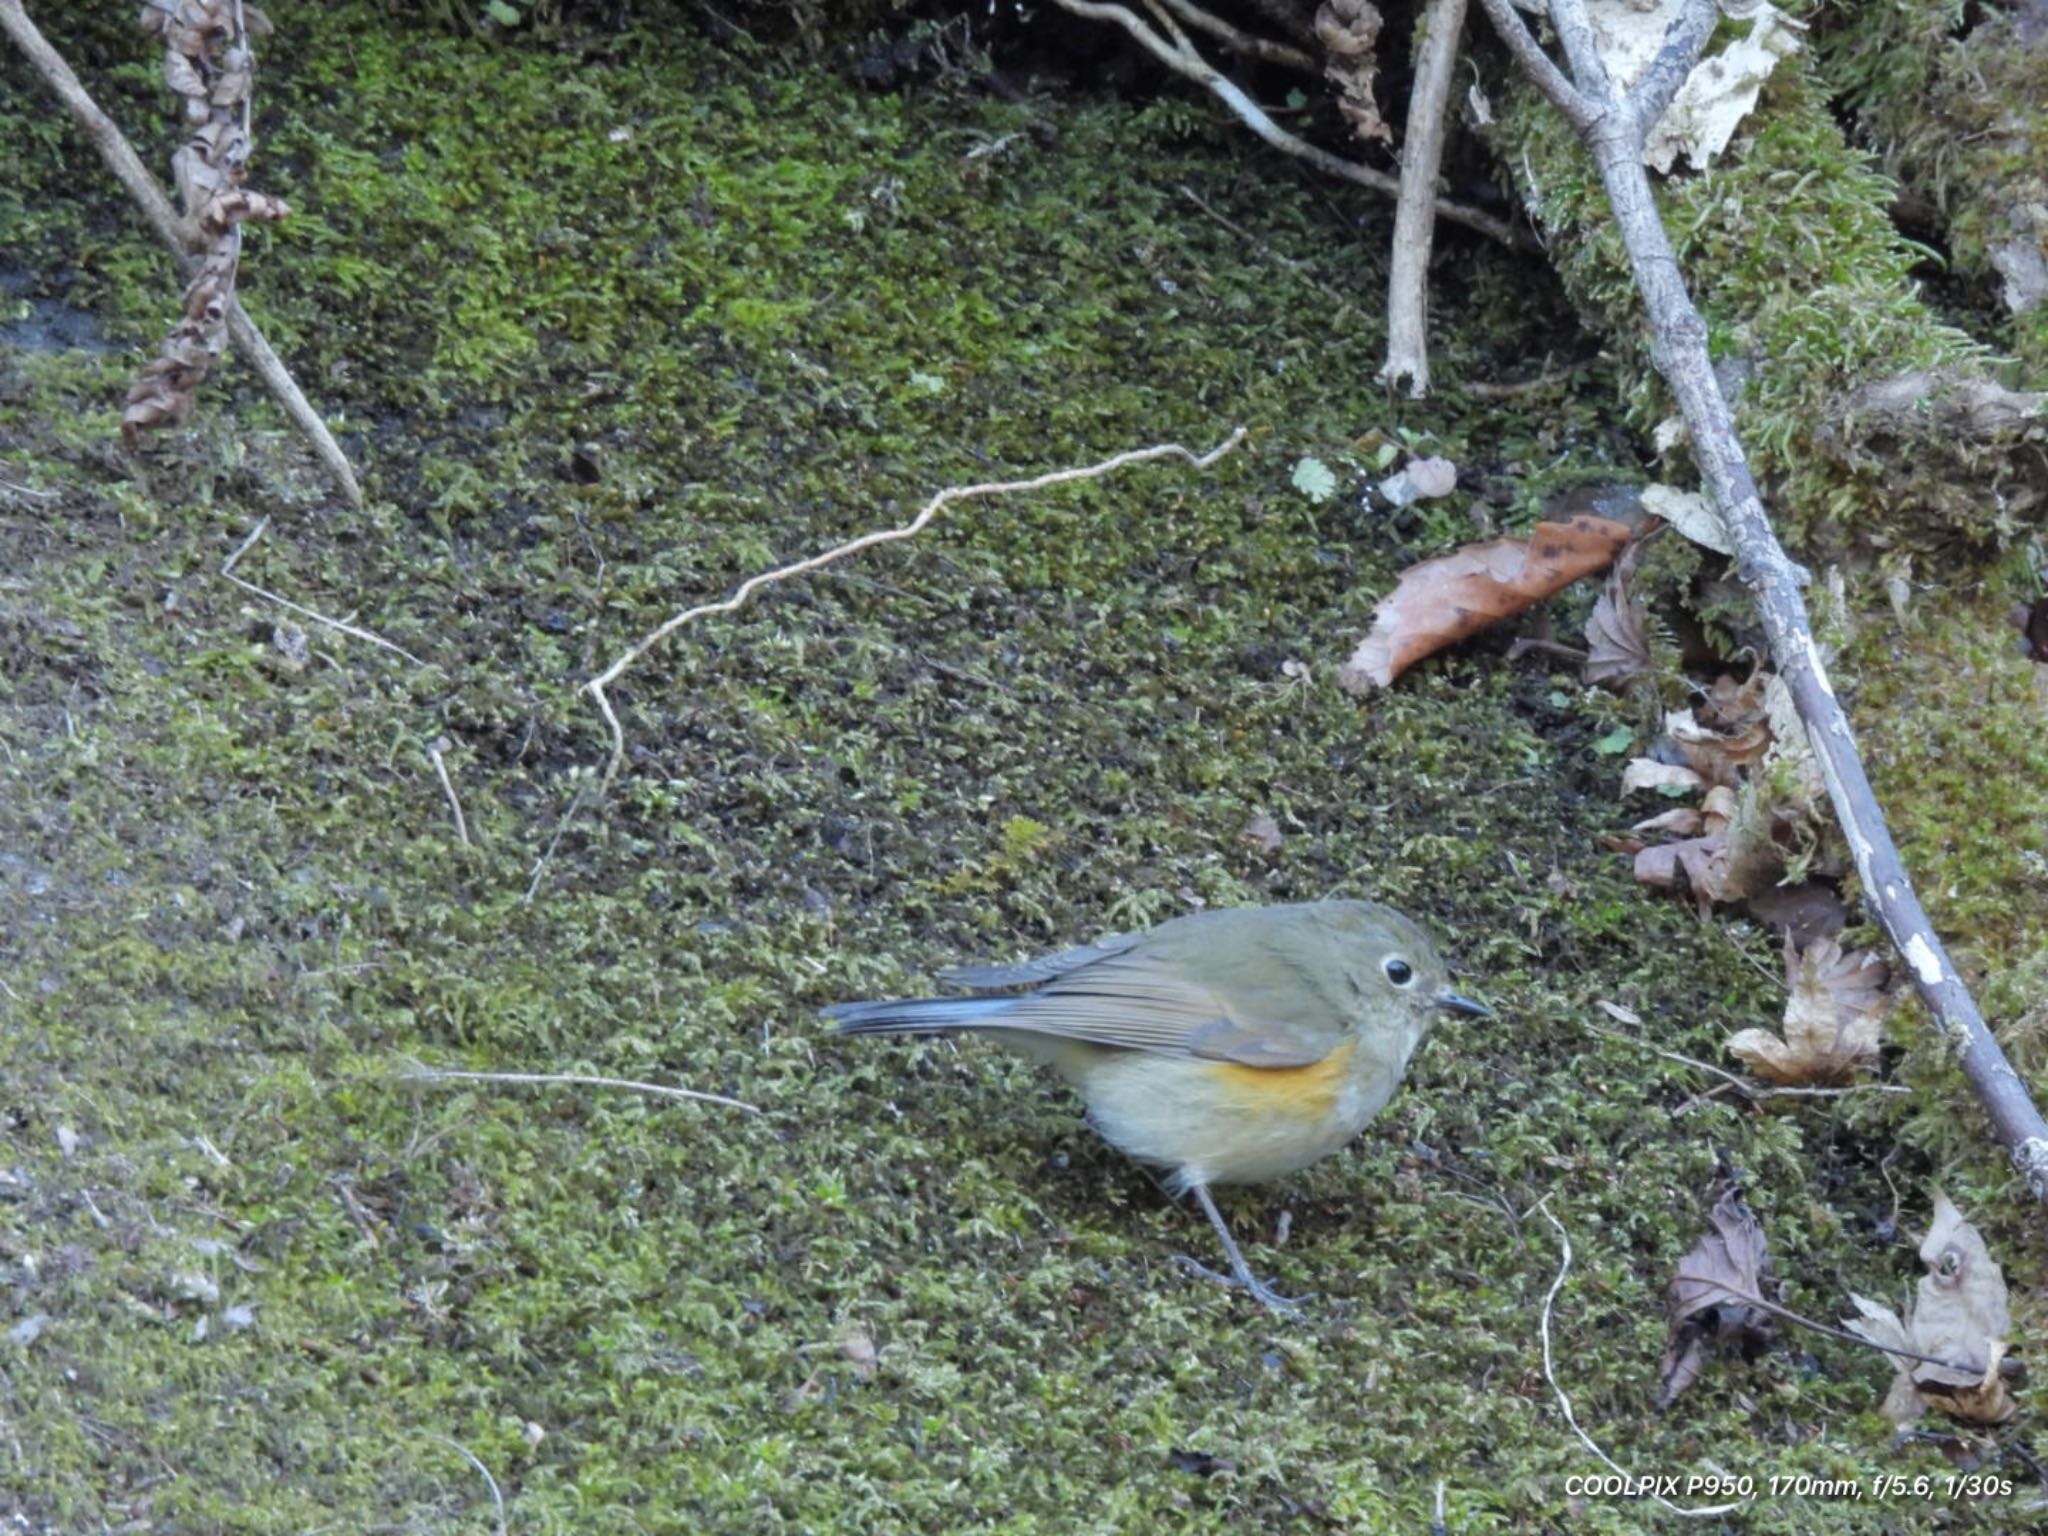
[609, 333]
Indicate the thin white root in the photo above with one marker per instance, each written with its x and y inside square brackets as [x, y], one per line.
[1564, 1403]
[227, 570]
[436, 751]
[597, 685]
[444, 1075]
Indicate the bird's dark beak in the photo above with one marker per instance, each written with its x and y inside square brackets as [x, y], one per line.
[1457, 1004]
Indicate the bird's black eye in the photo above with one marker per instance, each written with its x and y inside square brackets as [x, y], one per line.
[1399, 971]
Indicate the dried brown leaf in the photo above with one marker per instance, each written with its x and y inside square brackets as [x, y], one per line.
[1884, 1328]
[1720, 737]
[1442, 601]
[1699, 864]
[1960, 1317]
[1349, 31]
[1711, 1300]
[1617, 634]
[1832, 1017]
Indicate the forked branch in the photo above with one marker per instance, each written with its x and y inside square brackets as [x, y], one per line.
[1615, 125]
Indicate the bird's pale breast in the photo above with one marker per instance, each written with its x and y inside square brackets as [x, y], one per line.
[1220, 1123]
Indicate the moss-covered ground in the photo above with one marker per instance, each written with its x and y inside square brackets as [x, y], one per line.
[609, 330]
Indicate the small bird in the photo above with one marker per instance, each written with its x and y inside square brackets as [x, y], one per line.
[1228, 1046]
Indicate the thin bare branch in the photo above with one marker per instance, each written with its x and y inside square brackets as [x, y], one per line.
[490, 1482]
[1651, 96]
[540, 865]
[437, 753]
[1422, 148]
[1289, 18]
[1238, 41]
[1755, 1092]
[1302, 269]
[1190, 65]
[1711, 1282]
[597, 685]
[1521, 42]
[1679, 349]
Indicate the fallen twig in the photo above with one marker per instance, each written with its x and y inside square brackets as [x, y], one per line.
[134, 177]
[448, 1075]
[1564, 1403]
[436, 751]
[1180, 56]
[1302, 269]
[2007, 1366]
[1615, 126]
[1240, 41]
[597, 685]
[227, 570]
[1422, 149]
[1755, 1092]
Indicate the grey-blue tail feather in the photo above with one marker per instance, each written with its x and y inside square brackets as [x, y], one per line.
[917, 1015]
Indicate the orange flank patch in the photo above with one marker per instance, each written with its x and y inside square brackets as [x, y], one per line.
[1304, 1093]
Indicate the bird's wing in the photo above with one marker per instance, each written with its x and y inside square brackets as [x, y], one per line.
[1032, 973]
[1123, 1000]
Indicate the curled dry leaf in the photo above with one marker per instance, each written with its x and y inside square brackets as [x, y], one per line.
[1687, 511]
[1712, 1299]
[1617, 633]
[1442, 601]
[208, 63]
[1728, 731]
[1730, 854]
[1349, 31]
[1960, 1316]
[1832, 1018]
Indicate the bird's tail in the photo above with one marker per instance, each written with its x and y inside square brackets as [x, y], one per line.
[917, 1015]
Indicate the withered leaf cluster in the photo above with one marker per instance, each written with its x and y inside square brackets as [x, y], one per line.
[1762, 795]
[1833, 1017]
[1950, 1348]
[1349, 31]
[1959, 1317]
[208, 63]
[1712, 1299]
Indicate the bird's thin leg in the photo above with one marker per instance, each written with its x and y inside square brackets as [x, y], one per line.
[1240, 1272]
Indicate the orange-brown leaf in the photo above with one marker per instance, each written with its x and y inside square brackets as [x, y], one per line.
[1442, 601]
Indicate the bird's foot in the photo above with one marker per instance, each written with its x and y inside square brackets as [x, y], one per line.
[1246, 1281]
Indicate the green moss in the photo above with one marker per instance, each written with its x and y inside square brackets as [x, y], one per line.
[593, 378]
[1952, 97]
[1948, 709]
[1809, 293]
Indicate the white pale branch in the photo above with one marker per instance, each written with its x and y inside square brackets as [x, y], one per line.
[1615, 126]
[1178, 54]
